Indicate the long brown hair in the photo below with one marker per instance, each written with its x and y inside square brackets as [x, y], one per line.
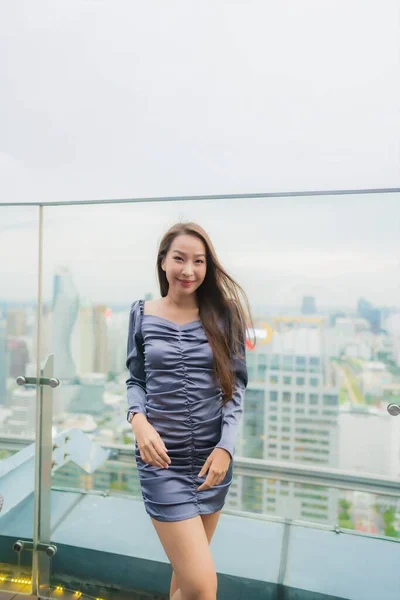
[219, 297]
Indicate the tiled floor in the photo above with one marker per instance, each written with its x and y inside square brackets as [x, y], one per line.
[70, 596]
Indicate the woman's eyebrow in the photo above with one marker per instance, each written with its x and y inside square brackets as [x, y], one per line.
[184, 253]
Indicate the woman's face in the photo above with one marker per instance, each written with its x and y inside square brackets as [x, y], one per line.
[185, 264]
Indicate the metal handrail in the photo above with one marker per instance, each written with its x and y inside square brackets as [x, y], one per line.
[252, 195]
[282, 471]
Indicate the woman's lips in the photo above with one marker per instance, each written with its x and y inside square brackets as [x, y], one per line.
[186, 283]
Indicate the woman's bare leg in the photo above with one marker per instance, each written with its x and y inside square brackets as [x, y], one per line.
[186, 545]
[210, 523]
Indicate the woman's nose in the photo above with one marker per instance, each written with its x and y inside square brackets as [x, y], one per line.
[187, 270]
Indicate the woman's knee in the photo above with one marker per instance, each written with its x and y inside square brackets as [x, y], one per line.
[202, 586]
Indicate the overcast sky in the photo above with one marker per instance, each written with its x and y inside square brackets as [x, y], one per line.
[113, 98]
[120, 99]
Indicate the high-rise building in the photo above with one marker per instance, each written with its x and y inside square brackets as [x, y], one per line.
[290, 414]
[21, 423]
[91, 395]
[308, 306]
[86, 339]
[64, 313]
[117, 338]
[16, 321]
[100, 312]
[18, 356]
[3, 362]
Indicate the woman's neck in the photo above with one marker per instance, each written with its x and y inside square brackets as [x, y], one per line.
[185, 303]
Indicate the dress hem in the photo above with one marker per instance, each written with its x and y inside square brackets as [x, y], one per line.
[197, 514]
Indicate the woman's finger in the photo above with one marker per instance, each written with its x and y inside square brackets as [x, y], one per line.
[164, 447]
[205, 467]
[162, 455]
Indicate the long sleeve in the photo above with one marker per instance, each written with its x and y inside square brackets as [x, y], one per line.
[136, 383]
[232, 411]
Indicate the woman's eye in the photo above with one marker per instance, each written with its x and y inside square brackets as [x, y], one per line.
[178, 258]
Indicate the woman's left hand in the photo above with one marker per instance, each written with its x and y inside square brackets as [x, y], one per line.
[217, 465]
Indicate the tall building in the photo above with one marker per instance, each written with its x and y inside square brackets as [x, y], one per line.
[308, 306]
[86, 339]
[373, 315]
[100, 313]
[18, 356]
[3, 362]
[117, 338]
[371, 427]
[64, 313]
[16, 321]
[291, 414]
[21, 423]
[90, 399]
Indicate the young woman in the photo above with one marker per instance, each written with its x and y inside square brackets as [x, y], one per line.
[186, 360]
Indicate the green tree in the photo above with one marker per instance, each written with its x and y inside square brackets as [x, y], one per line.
[345, 519]
[389, 517]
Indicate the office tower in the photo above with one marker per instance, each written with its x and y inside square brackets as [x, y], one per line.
[3, 362]
[16, 321]
[100, 313]
[22, 421]
[18, 356]
[308, 306]
[117, 340]
[86, 339]
[90, 399]
[291, 414]
[64, 313]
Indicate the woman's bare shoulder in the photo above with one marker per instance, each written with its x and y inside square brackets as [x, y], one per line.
[152, 306]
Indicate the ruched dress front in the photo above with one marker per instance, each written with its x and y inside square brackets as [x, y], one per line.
[172, 382]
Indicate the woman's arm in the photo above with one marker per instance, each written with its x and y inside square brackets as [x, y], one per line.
[232, 411]
[136, 383]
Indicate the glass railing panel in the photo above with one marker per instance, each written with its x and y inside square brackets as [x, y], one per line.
[326, 309]
[250, 494]
[19, 229]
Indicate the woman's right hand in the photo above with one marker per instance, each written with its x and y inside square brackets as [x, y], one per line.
[152, 449]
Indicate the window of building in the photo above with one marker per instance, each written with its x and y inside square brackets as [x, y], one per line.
[261, 371]
[274, 362]
[330, 400]
[315, 364]
[287, 363]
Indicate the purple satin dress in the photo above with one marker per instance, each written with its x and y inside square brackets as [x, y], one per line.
[173, 383]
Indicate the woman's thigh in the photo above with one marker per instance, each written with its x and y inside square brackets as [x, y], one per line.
[187, 547]
[210, 523]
